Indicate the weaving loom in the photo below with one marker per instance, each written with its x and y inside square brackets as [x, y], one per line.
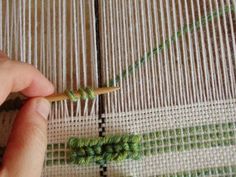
[174, 61]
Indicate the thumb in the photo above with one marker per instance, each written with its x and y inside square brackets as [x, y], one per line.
[26, 147]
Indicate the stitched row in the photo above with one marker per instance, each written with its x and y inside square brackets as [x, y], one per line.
[183, 139]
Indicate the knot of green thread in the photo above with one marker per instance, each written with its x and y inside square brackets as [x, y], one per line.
[71, 95]
[104, 149]
[85, 93]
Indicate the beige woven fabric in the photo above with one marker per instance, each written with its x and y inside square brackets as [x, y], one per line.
[184, 93]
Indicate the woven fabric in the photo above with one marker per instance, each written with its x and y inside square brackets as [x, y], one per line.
[173, 60]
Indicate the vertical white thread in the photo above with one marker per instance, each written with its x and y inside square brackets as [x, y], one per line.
[42, 60]
[71, 56]
[198, 85]
[48, 42]
[1, 26]
[232, 26]
[54, 44]
[190, 57]
[11, 52]
[185, 60]
[24, 32]
[230, 67]
[145, 73]
[112, 56]
[83, 42]
[29, 57]
[223, 57]
[133, 75]
[119, 56]
[139, 54]
[171, 58]
[128, 105]
[64, 42]
[35, 34]
[158, 65]
[216, 53]
[205, 74]
[59, 35]
[7, 30]
[211, 71]
[76, 49]
[20, 26]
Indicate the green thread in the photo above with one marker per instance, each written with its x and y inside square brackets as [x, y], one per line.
[187, 138]
[166, 44]
[104, 149]
[17, 103]
[71, 95]
[101, 150]
[85, 93]
[90, 93]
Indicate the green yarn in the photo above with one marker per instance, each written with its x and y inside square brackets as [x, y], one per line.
[71, 95]
[89, 94]
[167, 43]
[104, 149]
[173, 140]
[85, 93]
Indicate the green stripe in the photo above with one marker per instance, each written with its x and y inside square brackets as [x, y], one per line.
[213, 171]
[188, 138]
[172, 140]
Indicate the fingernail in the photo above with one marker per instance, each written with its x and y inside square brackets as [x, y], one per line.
[43, 107]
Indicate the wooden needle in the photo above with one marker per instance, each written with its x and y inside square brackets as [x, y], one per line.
[63, 96]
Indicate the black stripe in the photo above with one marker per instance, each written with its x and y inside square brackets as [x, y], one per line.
[101, 119]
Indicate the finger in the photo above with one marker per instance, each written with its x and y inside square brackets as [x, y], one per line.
[16, 76]
[26, 147]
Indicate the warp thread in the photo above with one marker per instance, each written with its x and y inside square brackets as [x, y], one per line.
[104, 149]
[89, 94]
[167, 43]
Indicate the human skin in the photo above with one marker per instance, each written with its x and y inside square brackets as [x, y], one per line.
[27, 143]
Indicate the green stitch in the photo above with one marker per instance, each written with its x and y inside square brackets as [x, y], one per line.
[55, 153]
[49, 146]
[83, 94]
[197, 137]
[49, 154]
[90, 93]
[102, 152]
[109, 148]
[71, 95]
[55, 146]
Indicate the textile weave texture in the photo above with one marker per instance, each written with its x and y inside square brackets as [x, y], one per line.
[174, 61]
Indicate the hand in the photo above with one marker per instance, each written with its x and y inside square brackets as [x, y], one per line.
[27, 143]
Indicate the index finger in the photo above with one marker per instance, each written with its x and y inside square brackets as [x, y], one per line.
[16, 76]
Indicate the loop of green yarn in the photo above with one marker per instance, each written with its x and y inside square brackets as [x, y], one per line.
[104, 149]
[71, 95]
[85, 93]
